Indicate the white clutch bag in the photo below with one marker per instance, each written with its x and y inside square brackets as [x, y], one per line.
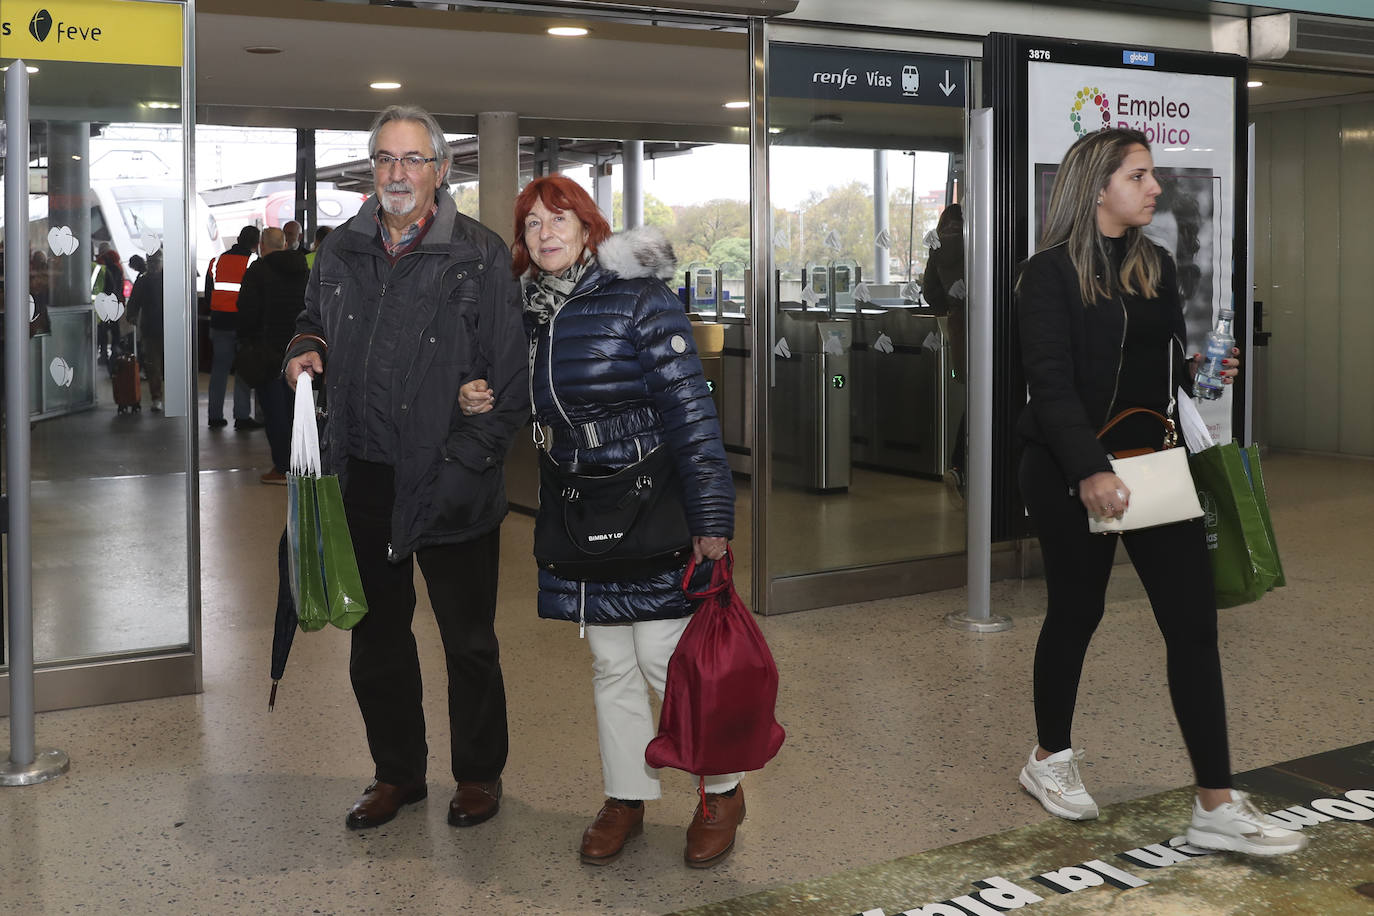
[1162, 490]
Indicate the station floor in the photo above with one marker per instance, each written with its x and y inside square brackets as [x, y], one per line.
[904, 738]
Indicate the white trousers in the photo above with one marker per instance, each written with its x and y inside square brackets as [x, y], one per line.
[628, 659]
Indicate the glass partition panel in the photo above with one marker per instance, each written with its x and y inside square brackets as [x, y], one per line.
[110, 457]
[865, 155]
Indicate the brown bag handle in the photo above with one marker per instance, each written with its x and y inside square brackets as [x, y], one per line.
[1170, 432]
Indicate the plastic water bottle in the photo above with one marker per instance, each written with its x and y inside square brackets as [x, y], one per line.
[1208, 382]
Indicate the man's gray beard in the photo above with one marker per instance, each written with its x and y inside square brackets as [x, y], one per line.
[392, 203]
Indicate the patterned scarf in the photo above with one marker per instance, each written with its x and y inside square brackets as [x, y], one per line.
[545, 293]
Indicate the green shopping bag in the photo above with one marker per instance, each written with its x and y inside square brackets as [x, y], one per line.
[325, 583]
[343, 583]
[1240, 540]
[305, 558]
[1252, 456]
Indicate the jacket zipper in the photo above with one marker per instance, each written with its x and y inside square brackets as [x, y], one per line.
[1121, 357]
[552, 393]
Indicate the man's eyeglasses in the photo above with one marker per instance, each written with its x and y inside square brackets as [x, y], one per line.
[383, 163]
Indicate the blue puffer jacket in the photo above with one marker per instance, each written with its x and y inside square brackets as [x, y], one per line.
[619, 356]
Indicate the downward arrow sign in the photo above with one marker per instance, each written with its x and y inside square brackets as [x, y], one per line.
[947, 87]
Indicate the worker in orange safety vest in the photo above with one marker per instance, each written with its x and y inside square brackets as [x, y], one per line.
[222, 281]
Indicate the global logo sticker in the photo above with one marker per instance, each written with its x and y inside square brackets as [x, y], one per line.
[40, 25]
[1088, 100]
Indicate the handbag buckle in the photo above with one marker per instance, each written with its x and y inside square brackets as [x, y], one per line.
[1170, 434]
[571, 494]
[644, 482]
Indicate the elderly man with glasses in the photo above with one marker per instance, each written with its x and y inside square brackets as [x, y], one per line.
[407, 301]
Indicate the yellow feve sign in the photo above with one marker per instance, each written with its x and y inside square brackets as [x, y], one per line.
[94, 31]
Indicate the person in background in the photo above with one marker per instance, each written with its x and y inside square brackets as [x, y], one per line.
[145, 311]
[408, 300]
[320, 233]
[292, 232]
[615, 374]
[1101, 332]
[109, 280]
[273, 294]
[223, 279]
[944, 288]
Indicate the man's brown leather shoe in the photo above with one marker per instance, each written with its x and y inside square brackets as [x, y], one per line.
[712, 834]
[380, 802]
[615, 823]
[474, 802]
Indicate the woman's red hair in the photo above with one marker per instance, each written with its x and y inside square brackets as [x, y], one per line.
[557, 193]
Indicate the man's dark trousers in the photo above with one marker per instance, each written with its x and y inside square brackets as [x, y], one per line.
[384, 665]
[278, 411]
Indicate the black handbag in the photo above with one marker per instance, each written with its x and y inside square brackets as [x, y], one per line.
[602, 524]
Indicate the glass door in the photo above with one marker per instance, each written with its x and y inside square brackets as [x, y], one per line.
[865, 163]
[110, 234]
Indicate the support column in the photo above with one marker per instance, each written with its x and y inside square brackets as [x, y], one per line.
[546, 151]
[498, 170]
[880, 215]
[306, 199]
[601, 190]
[69, 183]
[633, 196]
[26, 763]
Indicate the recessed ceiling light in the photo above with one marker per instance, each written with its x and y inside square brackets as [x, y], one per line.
[736, 104]
[1254, 84]
[27, 69]
[262, 49]
[568, 31]
[385, 84]
[158, 104]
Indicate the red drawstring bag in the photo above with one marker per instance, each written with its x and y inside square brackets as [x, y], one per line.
[722, 687]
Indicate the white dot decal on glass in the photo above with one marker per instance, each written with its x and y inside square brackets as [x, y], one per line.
[61, 240]
[61, 372]
[107, 307]
[678, 344]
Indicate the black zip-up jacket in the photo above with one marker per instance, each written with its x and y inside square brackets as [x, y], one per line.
[461, 319]
[1071, 354]
[272, 295]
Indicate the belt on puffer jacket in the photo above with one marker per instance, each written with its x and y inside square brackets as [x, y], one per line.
[596, 433]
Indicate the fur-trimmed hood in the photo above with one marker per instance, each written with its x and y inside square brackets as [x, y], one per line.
[636, 253]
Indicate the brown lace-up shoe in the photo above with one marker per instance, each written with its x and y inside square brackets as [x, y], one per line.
[380, 802]
[605, 839]
[474, 802]
[712, 834]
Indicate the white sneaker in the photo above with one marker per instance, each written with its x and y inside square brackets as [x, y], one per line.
[1055, 783]
[1238, 826]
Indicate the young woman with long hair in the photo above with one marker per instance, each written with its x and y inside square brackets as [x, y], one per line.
[1102, 331]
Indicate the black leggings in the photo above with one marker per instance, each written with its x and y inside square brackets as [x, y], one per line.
[1173, 566]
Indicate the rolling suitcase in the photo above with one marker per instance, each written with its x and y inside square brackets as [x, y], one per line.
[124, 377]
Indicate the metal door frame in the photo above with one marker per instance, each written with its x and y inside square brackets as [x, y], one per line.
[148, 675]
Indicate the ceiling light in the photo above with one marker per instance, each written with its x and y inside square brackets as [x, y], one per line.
[1254, 84]
[385, 84]
[27, 69]
[568, 31]
[736, 104]
[156, 104]
[262, 49]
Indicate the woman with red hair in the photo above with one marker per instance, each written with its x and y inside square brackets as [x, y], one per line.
[615, 375]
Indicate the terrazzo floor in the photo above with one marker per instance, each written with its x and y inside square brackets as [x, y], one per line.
[904, 736]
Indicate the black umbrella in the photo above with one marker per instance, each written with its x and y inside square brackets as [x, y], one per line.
[285, 629]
